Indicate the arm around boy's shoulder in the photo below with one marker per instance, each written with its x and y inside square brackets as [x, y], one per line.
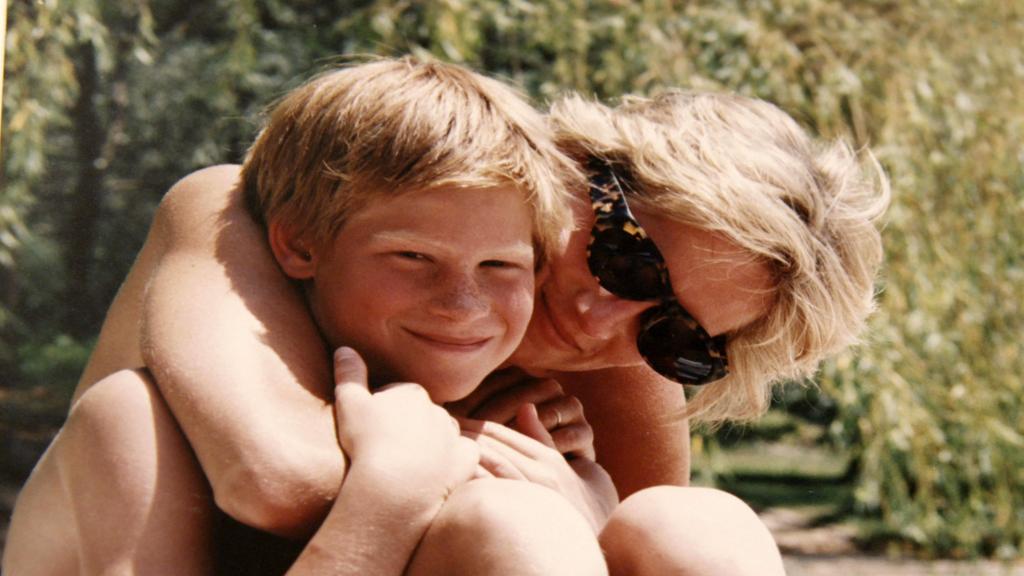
[191, 212]
[238, 360]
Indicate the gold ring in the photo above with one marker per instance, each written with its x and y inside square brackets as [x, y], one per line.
[558, 418]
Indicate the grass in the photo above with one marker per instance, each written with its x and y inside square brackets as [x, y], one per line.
[778, 474]
[779, 461]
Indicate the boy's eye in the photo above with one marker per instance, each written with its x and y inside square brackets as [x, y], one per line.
[410, 255]
[500, 264]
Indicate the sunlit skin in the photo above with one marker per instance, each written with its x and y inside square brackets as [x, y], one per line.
[434, 287]
[577, 325]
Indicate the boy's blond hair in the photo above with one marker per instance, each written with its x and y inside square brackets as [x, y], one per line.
[392, 126]
[743, 168]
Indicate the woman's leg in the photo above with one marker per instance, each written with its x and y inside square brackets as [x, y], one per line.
[507, 527]
[688, 532]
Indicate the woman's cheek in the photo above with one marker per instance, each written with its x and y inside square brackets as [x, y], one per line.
[521, 302]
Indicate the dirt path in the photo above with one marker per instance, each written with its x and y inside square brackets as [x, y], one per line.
[830, 550]
[872, 566]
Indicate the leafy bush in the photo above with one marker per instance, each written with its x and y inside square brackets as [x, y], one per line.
[55, 364]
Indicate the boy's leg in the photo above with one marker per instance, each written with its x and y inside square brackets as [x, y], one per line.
[507, 527]
[135, 495]
[686, 532]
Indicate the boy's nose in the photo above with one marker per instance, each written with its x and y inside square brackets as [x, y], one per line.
[459, 298]
[604, 316]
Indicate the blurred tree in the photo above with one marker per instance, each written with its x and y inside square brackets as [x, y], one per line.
[57, 138]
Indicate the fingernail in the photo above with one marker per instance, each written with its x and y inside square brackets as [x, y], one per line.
[343, 353]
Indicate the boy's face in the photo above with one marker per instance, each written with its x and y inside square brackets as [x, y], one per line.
[431, 287]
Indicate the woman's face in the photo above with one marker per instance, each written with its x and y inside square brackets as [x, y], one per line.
[577, 325]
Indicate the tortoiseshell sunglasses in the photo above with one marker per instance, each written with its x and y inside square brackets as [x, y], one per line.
[626, 262]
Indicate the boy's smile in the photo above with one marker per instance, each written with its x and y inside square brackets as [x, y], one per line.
[434, 287]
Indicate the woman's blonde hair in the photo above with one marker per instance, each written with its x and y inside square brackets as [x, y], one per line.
[391, 126]
[744, 169]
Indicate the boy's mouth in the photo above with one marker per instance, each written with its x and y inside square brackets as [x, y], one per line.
[451, 342]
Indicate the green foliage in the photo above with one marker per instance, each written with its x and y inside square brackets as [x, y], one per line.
[930, 408]
[935, 403]
[55, 364]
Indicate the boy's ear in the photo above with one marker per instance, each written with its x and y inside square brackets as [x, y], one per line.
[294, 253]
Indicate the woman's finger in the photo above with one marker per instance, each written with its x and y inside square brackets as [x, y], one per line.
[528, 422]
[501, 441]
[575, 440]
[560, 411]
[482, 472]
[503, 406]
[499, 462]
[493, 384]
[508, 438]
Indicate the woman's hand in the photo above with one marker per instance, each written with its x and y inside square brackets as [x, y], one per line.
[503, 394]
[398, 434]
[520, 455]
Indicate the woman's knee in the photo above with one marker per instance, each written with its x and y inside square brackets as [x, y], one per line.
[498, 526]
[688, 531]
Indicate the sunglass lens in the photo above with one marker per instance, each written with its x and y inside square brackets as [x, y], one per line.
[626, 266]
[677, 348]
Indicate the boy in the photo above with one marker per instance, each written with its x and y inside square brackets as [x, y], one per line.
[393, 194]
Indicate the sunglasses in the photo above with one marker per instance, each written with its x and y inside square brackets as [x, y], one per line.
[626, 263]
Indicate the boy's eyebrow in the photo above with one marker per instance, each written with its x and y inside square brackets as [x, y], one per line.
[520, 248]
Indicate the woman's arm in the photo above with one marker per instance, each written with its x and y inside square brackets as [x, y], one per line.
[639, 436]
[239, 361]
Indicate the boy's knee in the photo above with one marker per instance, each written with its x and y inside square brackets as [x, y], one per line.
[675, 530]
[488, 526]
[503, 509]
[121, 433]
[121, 407]
[122, 393]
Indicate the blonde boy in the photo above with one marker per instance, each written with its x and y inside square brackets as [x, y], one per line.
[411, 204]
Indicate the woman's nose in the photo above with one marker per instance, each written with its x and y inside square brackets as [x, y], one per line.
[604, 316]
